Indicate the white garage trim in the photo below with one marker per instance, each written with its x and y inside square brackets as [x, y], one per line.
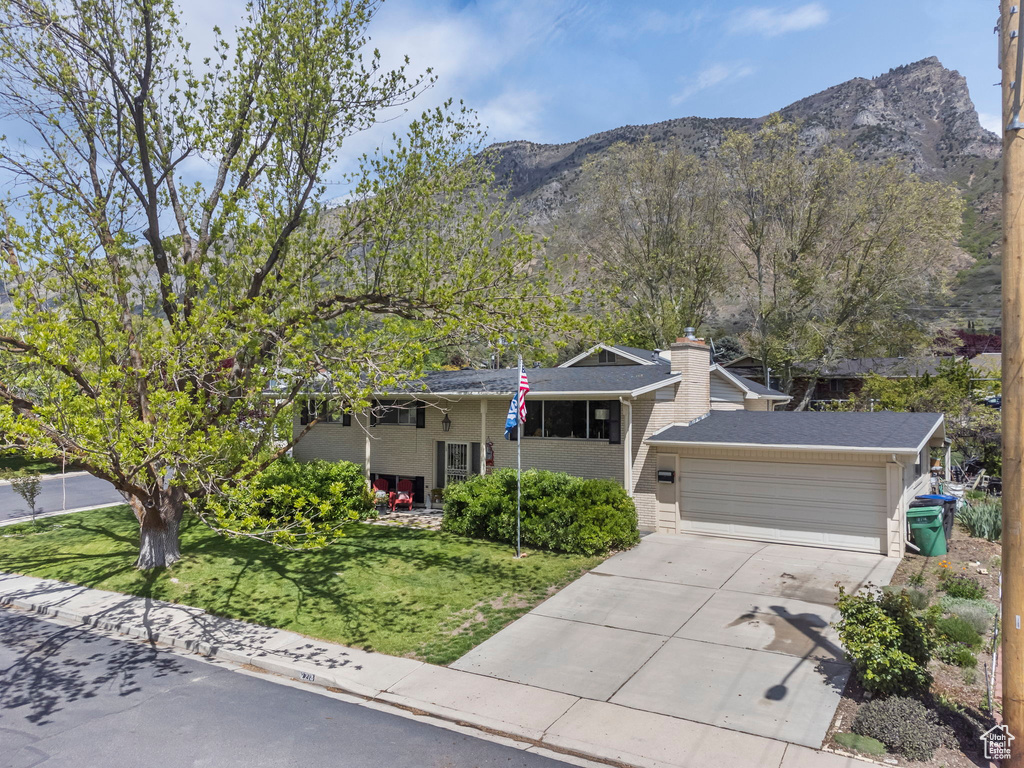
[823, 504]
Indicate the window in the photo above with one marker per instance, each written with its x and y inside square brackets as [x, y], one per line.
[580, 419]
[396, 413]
[835, 385]
[325, 412]
[604, 356]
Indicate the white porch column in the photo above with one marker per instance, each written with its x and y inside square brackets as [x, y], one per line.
[483, 435]
[366, 451]
[627, 445]
[948, 463]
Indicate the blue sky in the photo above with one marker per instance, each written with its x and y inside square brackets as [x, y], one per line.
[558, 70]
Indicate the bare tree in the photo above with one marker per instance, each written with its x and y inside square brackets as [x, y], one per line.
[653, 224]
[833, 254]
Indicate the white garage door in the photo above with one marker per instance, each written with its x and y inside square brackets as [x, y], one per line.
[824, 505]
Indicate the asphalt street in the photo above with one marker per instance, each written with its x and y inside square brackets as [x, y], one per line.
[82, 491]
[72, 697]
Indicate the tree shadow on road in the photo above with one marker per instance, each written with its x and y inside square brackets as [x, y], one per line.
[44, 667]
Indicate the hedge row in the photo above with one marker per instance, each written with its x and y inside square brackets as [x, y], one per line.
[559, 512]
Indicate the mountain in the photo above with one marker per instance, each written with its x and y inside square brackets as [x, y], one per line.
[920, 112]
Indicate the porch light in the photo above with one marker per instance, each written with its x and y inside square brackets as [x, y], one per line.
[446, 423]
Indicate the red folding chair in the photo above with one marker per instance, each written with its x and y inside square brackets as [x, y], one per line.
[403, 496]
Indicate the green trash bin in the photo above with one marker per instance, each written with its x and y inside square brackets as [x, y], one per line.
[927, 530]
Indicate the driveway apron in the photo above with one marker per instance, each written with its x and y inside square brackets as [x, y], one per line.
[730, 633]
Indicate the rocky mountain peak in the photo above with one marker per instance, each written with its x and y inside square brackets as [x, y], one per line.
[920, 113]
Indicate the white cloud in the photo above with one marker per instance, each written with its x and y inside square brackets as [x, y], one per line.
[991, 122]
[772, 22]
[514, 114]
[709, 77]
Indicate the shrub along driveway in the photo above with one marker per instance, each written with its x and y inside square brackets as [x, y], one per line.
[730, 633]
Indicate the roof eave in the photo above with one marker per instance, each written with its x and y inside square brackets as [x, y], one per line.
[782, 446]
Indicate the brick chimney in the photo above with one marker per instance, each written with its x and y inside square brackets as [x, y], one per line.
[692, 358]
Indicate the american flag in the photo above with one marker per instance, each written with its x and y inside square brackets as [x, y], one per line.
[517, 408]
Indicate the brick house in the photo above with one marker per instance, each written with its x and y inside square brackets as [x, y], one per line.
[699, 448]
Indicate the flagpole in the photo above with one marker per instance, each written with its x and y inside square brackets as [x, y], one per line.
[519, 457]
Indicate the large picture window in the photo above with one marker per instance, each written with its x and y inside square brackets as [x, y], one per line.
[396, 413]
[580, 419]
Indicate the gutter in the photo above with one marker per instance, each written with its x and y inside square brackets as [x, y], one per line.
[781, 446]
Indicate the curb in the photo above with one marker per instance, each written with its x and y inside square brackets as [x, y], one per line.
[44, 478]
[386, 684]
[56, 513]
[307, 673]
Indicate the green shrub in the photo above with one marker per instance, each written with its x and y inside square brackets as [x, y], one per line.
[903, 725]
[865, 744]
[560, 512]
[919, 598]
[957, 655]
[916, 580]
[950, 604]
[983, 519]
[978, 613]
[888, 646]
[296, 502]
[956, 630]
[962, 585]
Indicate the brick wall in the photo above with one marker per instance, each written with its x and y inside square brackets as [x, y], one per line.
[405, 450]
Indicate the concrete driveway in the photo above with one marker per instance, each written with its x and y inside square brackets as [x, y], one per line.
[730, 633]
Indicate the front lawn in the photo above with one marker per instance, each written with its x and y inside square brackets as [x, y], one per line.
[12, 462]
[403, 592]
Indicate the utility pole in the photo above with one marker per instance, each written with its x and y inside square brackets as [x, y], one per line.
[1010, 62]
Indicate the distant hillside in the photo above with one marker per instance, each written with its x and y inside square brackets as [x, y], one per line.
[920, 112]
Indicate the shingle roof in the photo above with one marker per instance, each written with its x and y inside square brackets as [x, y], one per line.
[892, 367]
[599, 379]
[883, 431]
[758, 388]
[648, 355]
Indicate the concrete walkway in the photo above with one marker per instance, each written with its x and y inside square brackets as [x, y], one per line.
[551, 720]
[718, 631]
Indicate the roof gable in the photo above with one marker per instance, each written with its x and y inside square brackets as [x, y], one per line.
[630, 356]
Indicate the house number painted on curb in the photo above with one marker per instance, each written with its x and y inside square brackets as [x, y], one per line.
[309, 677]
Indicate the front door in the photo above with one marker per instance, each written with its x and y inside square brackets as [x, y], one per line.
[456, 467]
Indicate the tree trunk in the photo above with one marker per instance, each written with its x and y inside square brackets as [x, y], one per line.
[812, 384]
[159, 521]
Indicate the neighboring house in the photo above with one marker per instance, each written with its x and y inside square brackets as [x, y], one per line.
[842, 379]
[988, 366]
[698, 448]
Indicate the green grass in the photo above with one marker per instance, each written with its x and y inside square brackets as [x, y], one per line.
[398, 591]
[16, 463]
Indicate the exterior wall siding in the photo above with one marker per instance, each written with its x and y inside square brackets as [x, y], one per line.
[725, 391]
[407, 450]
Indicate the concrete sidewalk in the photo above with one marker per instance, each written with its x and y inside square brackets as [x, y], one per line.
[551, 720]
